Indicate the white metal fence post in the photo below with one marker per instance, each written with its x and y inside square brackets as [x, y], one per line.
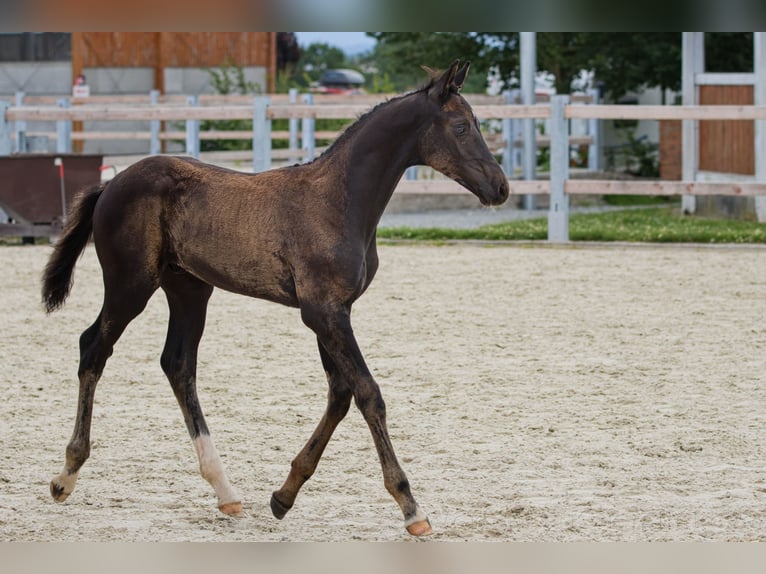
[192, 130]
[558, 212]
[5, 129]
[692, 63]
[594, 127]
[20, 127]
[307, 131]
[293, 127]
[154, 126]
[510, 151]
[528, 48]
[759, 99]
[63, 130]
[261, 134]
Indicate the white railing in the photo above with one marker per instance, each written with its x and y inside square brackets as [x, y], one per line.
[262, 110]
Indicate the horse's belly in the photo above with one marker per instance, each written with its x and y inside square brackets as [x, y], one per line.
[270, 280]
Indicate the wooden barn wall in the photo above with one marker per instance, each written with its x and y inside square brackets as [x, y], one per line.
[161, 50]
[204, 49]
[726, 145]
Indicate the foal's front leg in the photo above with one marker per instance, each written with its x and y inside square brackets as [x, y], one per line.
[333, 329]
[305, 463]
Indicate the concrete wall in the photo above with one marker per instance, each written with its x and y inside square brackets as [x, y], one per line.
[35, 78]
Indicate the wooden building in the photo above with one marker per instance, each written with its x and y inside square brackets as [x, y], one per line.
[166, 52]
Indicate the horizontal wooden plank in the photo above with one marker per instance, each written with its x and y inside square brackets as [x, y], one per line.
[612, 187]
[447, 186]
[234, 112]
[625, 112]
[350, 111]
[538, 111]
[128, 113]
[229, 99]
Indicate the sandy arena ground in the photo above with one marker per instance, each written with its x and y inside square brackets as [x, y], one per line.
[534, 394]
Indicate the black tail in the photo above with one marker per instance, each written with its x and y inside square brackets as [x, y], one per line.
[57, 278]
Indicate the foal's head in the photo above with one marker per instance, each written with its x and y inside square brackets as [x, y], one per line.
[452, 142]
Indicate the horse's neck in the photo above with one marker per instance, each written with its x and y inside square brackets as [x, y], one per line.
[377, 156]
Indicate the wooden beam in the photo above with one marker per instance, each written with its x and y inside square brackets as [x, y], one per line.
[686, 112]
[611, 187]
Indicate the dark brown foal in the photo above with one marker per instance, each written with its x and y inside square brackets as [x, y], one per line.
[302, 236]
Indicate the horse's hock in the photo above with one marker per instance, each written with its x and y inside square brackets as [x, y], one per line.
[31, 190]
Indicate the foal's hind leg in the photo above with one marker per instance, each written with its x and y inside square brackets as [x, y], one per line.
[187, 299]
[333, 328]
[122, 303]
[305, 463]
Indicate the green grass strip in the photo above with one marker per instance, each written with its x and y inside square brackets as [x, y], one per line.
[659, 225]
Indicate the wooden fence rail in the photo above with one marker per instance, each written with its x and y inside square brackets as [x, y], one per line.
[559, 112]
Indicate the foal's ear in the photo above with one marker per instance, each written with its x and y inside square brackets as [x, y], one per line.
[461, 74]
[443, 85]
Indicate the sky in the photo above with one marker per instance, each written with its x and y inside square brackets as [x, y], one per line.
[350, 42]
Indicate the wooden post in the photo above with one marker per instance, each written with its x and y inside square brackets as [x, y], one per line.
[155, 146]
[192, 130]
[307, 128]
[558, 212]
[759, 99]
[528, 74]
[261, 134]
[692, 63]
[5, 129]
[77, 46]
[63, 130]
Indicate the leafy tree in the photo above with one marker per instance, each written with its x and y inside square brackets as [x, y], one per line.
[314, 59]
[630, 61]
[400, 55]
[288, 51]
[729, 51]
[623, 61]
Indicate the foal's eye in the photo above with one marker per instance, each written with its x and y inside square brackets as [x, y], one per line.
[460, 129]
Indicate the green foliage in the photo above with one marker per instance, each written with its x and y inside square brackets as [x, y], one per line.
[382, 84]
[623, 61]
[630, 61]
[658, 225]
[314, 59]
[729, 51]
[230, 79]
[636, 156]
[400, 55]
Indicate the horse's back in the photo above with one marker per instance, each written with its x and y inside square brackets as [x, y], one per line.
[227, 228]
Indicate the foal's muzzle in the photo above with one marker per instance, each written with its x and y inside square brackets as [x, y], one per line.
[493, 188]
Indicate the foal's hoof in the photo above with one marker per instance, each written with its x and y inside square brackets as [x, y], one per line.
[62, 486]
[232, 509]
[420, 528]
[277, 508]
[57, 492]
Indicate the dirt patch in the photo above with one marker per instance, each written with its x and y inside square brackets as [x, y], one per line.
[533, 394]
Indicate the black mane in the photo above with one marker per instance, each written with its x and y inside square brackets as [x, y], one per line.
[362, 120]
